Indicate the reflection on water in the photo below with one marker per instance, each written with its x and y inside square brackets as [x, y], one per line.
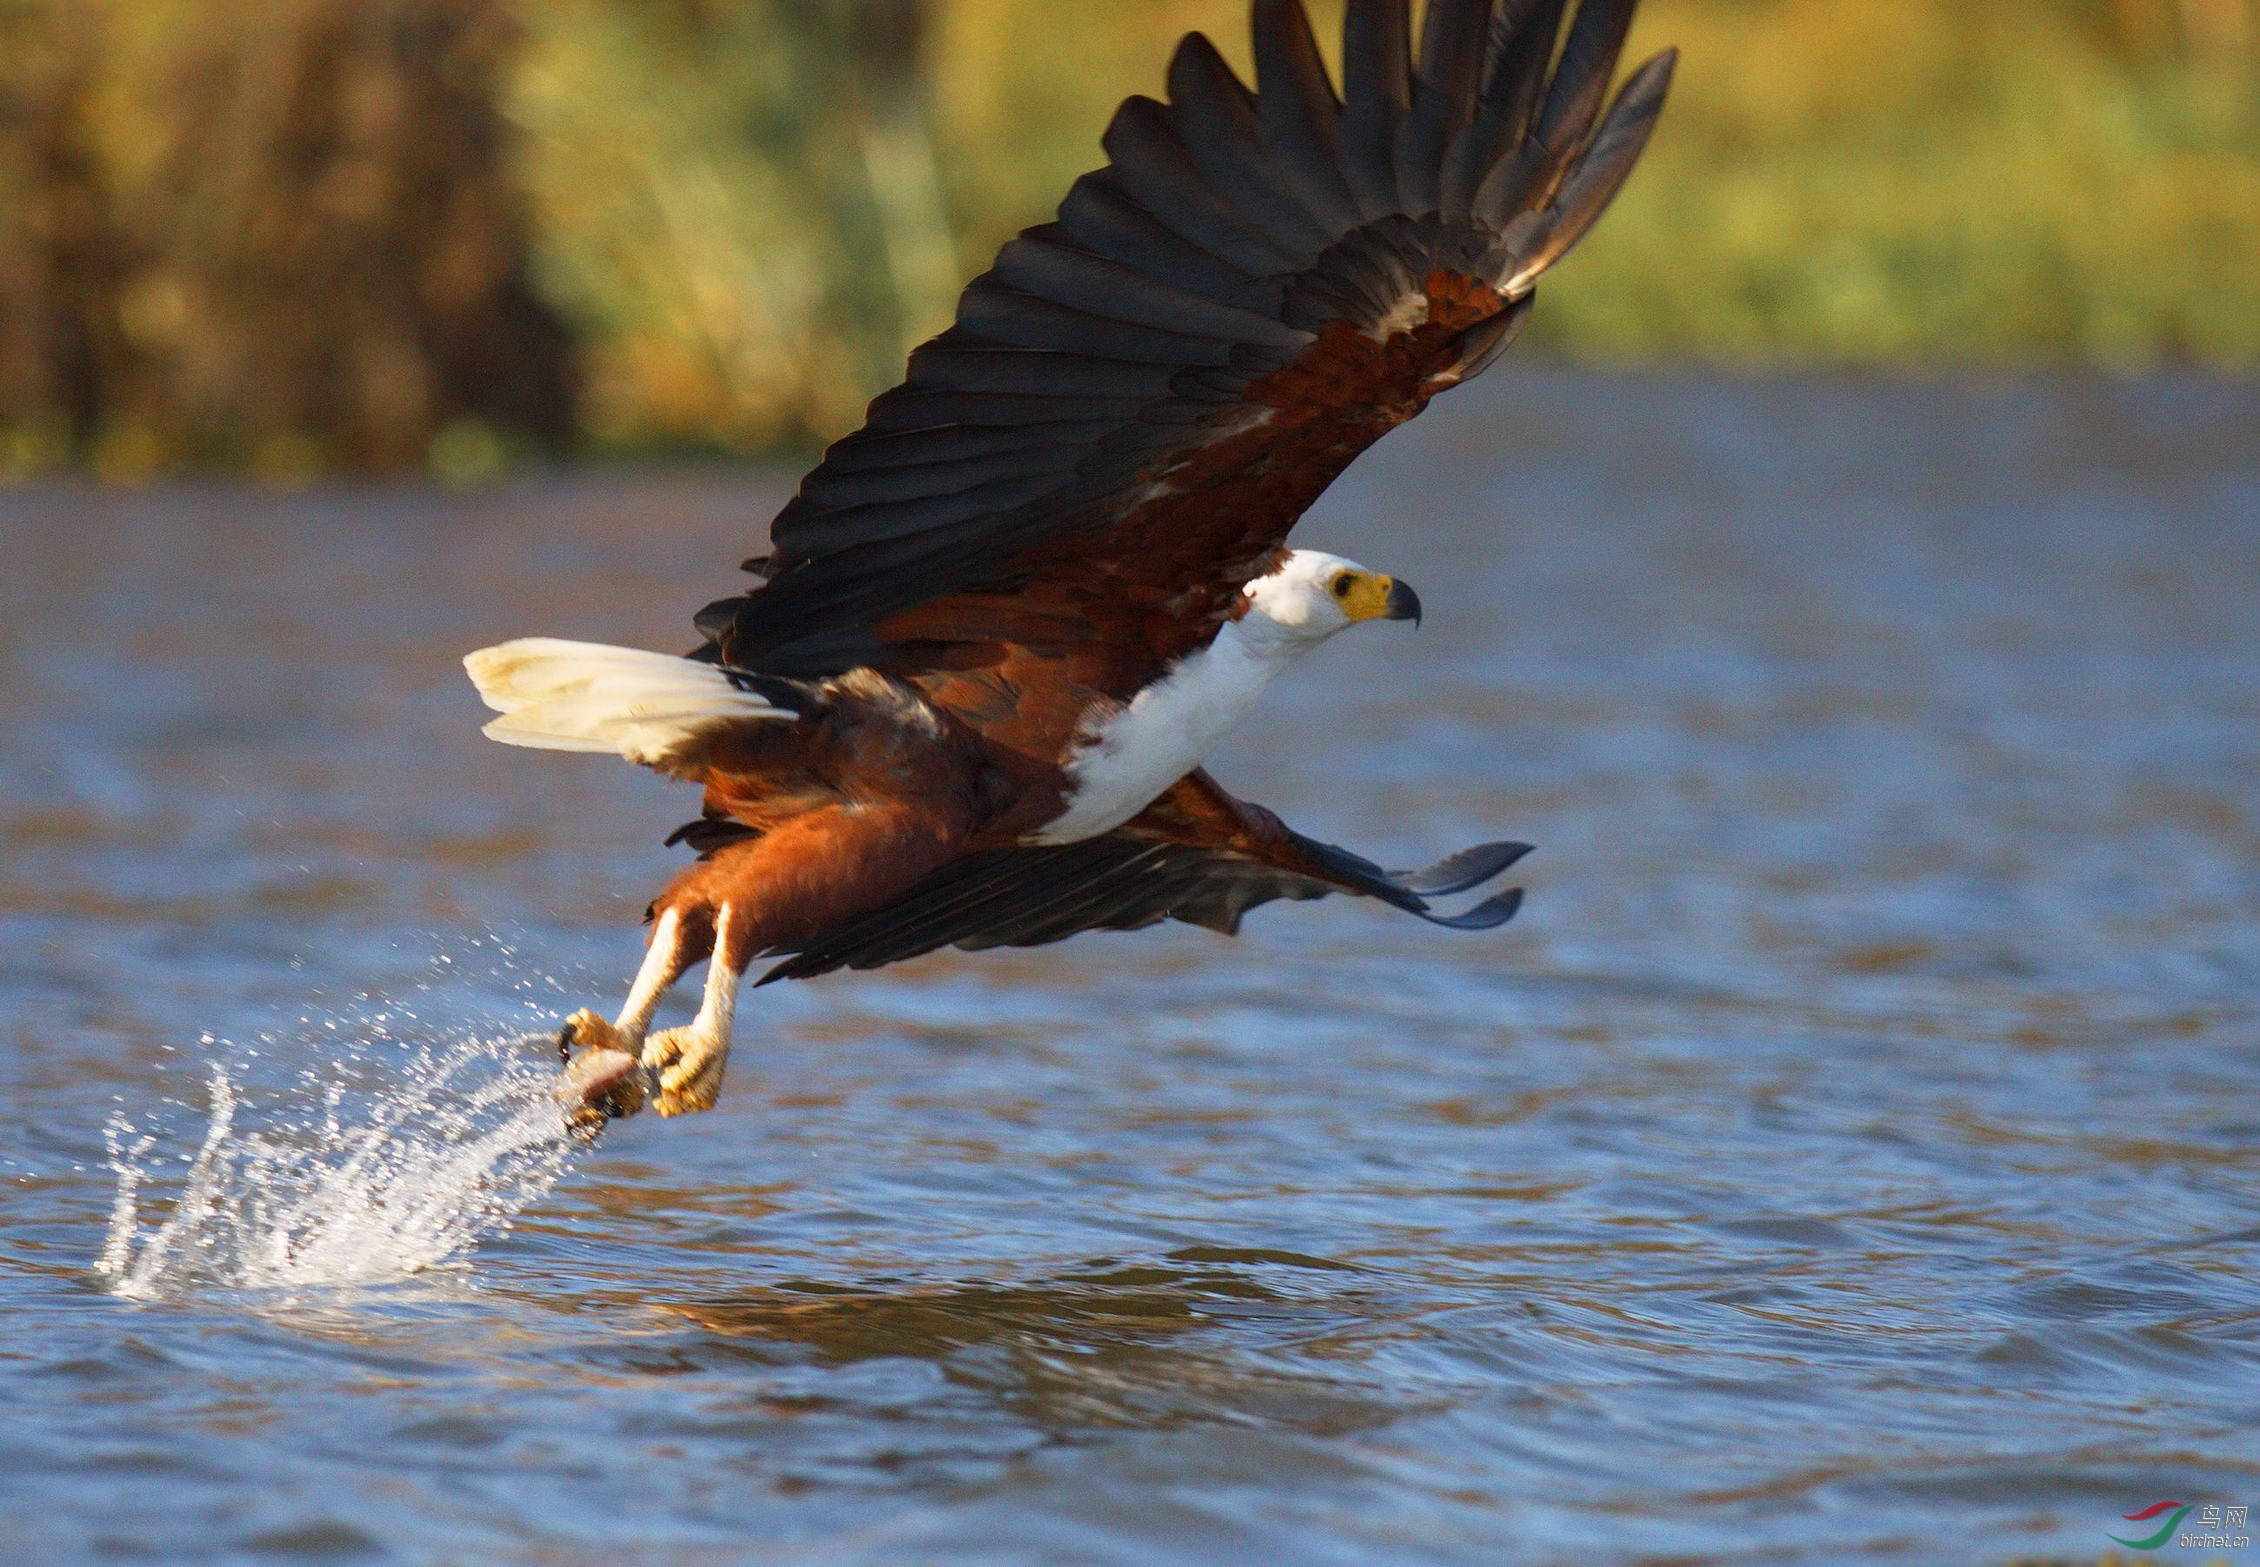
[1112, 1346]
[1851, 1151]
[1108, 1308]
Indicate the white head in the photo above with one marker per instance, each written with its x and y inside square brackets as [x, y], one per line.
[1314, 595]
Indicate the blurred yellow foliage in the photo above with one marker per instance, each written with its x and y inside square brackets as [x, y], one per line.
[1939, 180]
[1837, 182]
[745, 211]
[277, 236]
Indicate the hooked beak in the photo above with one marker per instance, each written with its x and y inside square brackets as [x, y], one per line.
[1404, 603]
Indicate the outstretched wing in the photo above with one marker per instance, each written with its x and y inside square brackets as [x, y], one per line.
[1196, 855]
[1139, 401]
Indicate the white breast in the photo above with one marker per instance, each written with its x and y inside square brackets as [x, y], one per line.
[1168, 729]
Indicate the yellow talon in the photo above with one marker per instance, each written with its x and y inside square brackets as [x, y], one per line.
[689, 1069]
[587, 1030]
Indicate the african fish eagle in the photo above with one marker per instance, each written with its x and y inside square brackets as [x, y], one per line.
[1003, 624]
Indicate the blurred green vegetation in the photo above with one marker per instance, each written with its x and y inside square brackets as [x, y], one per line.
[1886, 181]
[297, 236]
[275, 236]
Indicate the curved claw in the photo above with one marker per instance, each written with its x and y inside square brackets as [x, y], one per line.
[586, 1030]
[686, 1066]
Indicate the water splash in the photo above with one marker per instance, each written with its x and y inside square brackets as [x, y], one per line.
[388, 1180]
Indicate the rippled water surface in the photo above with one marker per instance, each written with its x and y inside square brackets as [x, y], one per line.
[1850, 1154]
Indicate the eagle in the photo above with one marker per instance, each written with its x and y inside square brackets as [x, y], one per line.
[1002, 625]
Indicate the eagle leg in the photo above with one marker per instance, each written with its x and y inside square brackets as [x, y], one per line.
[664, 963]
[604, 1080]
[688, 1062]
[797, 877]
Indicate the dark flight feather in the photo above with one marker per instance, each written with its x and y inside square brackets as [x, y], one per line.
[1233, 299]
[1006, 315]
[1454, 41]
[1462, 872]
[975, 364]
[1581, 78]
[910, 411]
[1155, 167]
[956, 442]
[1217, 121]
[1615, 151]
[1126, 880]
[1377, 93]
[1523, 36]
[1080, 280]
[1106, 220]
[1301, 117]
[871, 484]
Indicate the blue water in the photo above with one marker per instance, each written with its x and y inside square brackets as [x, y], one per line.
[1853, 1152]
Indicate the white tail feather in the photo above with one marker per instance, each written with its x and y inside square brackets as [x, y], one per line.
[619, 701]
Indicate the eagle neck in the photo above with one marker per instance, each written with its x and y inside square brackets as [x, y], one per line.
[1125, 760]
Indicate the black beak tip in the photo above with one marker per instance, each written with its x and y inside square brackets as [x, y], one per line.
[1404, 603]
